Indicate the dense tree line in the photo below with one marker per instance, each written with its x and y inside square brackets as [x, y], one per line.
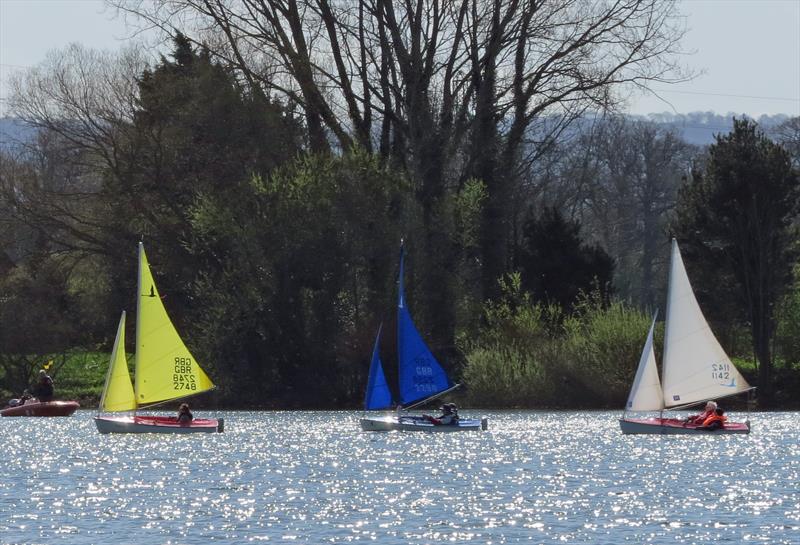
[272, 176]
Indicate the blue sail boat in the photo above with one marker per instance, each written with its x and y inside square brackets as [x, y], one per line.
[421, 379]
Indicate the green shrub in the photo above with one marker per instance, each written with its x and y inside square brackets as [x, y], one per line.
[787, 330]
[603, 346]
[532, 355]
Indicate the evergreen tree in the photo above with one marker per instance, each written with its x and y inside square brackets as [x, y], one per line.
[197, 131]
[556, 265]
[736, 217]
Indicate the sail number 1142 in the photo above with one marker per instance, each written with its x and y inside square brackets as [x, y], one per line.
[720, 371]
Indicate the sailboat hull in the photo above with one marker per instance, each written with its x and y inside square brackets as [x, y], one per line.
[42, 408]
[676, 426]
[418, 423]
[156, 424]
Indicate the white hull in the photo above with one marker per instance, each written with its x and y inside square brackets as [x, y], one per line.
[148, 424]
[418, 423]
[671, 426]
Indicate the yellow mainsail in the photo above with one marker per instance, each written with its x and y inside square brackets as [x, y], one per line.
[165, 369]
[118, 390]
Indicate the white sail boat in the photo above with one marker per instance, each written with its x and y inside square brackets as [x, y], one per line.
[695, 367]
[165, 370]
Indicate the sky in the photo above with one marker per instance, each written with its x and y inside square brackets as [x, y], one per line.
[746, 51]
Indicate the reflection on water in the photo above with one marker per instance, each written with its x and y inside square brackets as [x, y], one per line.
[314, 477]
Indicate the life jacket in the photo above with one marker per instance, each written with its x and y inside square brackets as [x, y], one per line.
[700, 418]
[715, 418]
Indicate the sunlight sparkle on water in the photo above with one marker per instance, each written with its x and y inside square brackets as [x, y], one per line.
[314, 477]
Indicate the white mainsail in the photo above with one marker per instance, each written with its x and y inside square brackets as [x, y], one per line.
[696, 367]
[646, 394]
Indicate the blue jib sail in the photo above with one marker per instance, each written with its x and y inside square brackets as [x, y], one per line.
[421, 376]
[378, 394]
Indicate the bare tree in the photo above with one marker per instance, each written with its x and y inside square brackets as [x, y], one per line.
[451, 90]
[788, 135]
[619, 177]
[81, 103]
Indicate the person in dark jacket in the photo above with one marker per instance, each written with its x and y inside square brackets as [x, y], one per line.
[448, 417]
[185, 416]
[43, 389]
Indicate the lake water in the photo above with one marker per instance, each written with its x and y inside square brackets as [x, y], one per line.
[314, 477]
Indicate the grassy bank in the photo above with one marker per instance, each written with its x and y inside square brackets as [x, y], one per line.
[77, 375]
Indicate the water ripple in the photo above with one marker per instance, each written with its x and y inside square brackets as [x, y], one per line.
[312, 477]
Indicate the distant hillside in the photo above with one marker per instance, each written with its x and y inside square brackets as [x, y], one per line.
[699, 128]
[14, 134]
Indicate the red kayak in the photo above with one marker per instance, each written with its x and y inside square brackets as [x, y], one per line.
[42, 408]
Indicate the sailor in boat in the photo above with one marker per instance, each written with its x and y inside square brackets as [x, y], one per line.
[42, 391]
[714, 422]
[44, 387]
[17, 401]
[449, 416]
[185, 416]
[699, 419]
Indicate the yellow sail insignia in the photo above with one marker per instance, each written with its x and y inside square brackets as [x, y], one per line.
[118, 390]
[165, 369]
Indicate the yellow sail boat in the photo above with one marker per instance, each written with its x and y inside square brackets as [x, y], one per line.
[164, 371]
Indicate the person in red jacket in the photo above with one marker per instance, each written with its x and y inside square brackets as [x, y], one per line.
[698, 419]
[715, 421]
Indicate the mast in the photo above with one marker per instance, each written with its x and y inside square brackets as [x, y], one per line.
[668, 314]
[138, 326]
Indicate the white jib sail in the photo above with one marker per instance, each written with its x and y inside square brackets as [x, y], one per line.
[696, 367]
[646, 392]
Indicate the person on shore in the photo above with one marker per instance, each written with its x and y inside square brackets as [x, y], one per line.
[185, 416]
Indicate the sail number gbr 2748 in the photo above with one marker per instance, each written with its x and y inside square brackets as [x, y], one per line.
[183, 378]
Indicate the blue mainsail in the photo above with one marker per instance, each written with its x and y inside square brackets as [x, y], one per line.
[378, 394]
[421, 376]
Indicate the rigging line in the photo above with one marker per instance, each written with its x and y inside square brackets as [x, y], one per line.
[726, 95]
